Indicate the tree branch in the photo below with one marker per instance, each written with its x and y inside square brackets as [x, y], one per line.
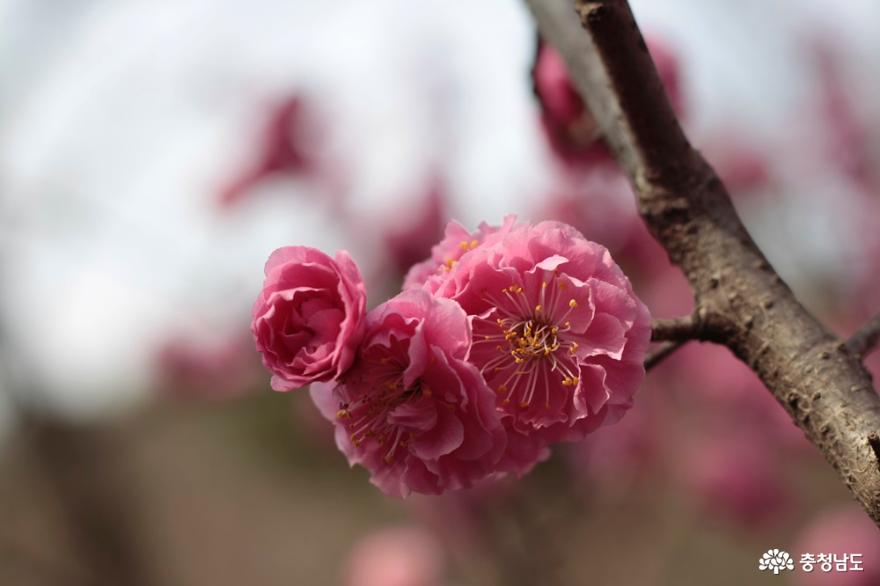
[675, 333]
[744, 303]
[662, 352]
[680, 329]
[865, 340]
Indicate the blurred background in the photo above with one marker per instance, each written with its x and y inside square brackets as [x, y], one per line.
[152, 155]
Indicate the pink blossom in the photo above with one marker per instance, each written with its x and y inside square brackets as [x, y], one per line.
[457, 240]
[396, 556]
[412, 410]
[568, 125]
[308, 318]
[570, 128]
[280, 149]
[559, 334]
[553, 87]
[845, 530]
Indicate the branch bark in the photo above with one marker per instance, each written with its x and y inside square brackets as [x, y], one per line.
[743, 302]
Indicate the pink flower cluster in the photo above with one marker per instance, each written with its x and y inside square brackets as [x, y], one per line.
[505, 341]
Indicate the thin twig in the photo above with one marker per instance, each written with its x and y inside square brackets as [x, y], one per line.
[675, 332]
[662, 352]
[865, 340]
[679, 329]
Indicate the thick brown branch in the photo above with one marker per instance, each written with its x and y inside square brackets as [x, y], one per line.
[865, 340]
[743, 302]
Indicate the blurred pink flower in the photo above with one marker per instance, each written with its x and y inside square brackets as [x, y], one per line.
[845, 530]
[619, 453]
[598, 202]
[847, 137]
[412, 410]
[735, 475]
[665, 289]
[568, 125]
[281, 148]
[198, 369]
[308, 318]
[737, 442]
[731, 398]
[410, 244]
[741, 167]
[554, 89]
[396, 556]
[558, 332]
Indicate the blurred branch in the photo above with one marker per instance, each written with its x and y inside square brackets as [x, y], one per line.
[744, 303]
[864, 341]
[81, 466]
